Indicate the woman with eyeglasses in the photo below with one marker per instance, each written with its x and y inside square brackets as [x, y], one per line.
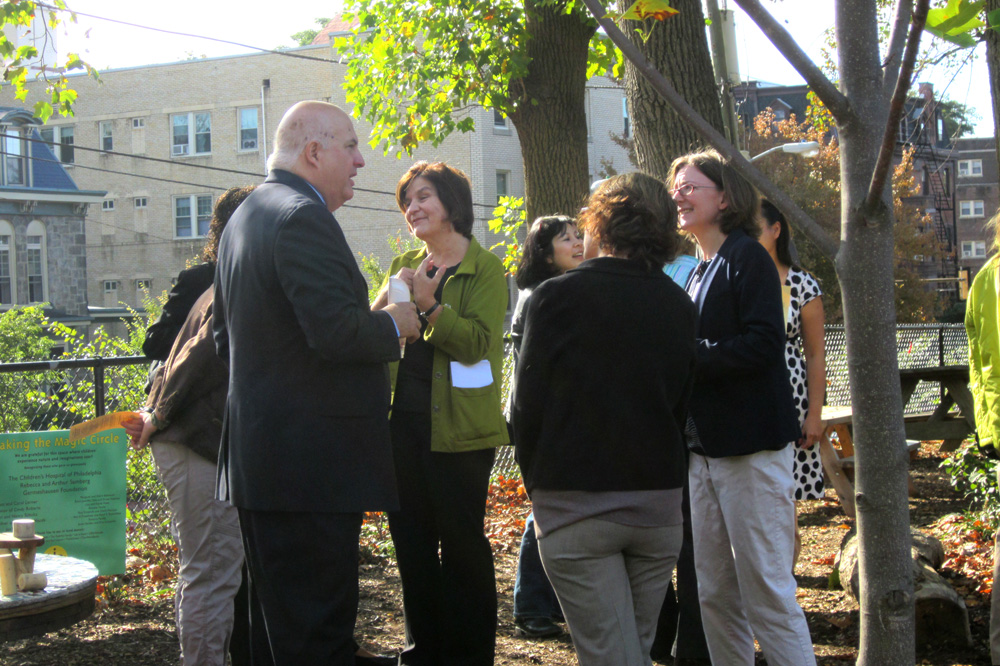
[739, 424]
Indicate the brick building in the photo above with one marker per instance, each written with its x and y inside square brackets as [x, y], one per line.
[978, 196]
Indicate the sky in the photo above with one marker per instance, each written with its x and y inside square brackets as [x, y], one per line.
[256, 23]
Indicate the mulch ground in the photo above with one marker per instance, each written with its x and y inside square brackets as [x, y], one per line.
[134, 621]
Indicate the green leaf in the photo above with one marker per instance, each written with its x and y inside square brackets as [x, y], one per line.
[654, 9]
[955, 21]
[993, 18]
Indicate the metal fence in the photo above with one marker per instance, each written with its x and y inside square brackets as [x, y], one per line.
[57, 394]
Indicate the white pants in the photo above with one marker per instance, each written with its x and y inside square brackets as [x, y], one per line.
[611, 580]
[211, 554]
[742, 511]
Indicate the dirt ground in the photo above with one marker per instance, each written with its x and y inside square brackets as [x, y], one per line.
[134, 622]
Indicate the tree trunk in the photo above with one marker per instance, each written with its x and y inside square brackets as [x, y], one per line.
[550, 120]
[993, 60]
[864, 268]
[678, 48]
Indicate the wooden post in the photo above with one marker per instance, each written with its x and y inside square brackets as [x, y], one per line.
[8, 575]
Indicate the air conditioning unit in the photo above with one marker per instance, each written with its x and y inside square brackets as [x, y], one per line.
[179, 150]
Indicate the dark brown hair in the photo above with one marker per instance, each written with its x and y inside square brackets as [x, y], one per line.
[633, 216]
[535, 267]
[742, 198]
[770, 213]
[453, 189]
[225, 206]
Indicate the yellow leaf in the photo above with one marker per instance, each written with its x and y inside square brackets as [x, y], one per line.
[644, 9]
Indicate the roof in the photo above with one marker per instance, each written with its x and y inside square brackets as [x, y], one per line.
[337, 25]
[48, 173]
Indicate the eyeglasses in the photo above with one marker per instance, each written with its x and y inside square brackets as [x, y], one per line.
[688, 189]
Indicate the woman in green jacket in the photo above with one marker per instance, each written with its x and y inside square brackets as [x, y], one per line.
[983, 327]
[446, 423]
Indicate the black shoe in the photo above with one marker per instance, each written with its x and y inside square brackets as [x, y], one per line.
[537, 627]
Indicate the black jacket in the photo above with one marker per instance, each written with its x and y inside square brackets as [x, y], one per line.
[191, 284]
[306, 424]
[603, 380]
[742, 400]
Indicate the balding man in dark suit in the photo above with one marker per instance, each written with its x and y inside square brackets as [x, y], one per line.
[305, 444]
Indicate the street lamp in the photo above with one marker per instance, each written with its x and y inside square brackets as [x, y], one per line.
[802, 149]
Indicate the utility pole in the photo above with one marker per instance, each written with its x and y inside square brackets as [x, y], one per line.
[725, 63]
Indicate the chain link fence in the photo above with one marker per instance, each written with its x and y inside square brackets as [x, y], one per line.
[57, 394]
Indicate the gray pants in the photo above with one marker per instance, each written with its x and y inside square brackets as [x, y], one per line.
[610, 580]
[210, 551]
[742, 519]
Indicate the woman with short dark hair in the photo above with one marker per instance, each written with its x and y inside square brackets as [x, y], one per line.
[446, 423]
[741, 420]
[603, 380]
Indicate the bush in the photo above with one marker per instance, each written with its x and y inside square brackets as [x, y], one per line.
[975, 476]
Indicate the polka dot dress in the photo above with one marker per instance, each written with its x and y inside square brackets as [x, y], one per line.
[808, 468]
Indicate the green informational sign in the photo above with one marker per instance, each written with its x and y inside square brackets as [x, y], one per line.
[75, 492]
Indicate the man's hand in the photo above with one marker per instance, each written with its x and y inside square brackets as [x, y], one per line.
[406, 318]
[140, 430]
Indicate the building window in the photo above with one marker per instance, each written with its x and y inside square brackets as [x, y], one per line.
[499, 121]
[248, 129]
[627, 131]
[108, 204]
[192, 134]
[6, 264]
[140, 202]
[971, 209]
[110, 286]
[970, 168]
[107, 140]
[138, 123]
[60, 140]
[973, 249]
[192, 215]
[144, 284]
[36, 262]
[503, 184]
[15, 164]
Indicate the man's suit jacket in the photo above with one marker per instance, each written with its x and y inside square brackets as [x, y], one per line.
[742, 400]
[306, 422]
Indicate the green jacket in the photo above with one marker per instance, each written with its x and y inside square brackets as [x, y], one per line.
[468, 330]
[983, 327]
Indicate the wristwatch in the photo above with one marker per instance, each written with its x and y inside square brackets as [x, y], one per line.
[429, 311]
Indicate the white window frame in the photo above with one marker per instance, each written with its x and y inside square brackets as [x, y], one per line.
[970, 168]
[36, 243]
[144, 284]
[111, 286]
[499, 120]
[106, 134]
[189, 146]
[973, 249]
[244, 143]
[504, 175]
[108, 205]
[62, 138]
[14, 138]
[626, 120]
[971, 208]
[138, 123]
[193, 214]
[8, 269]
[140, 202]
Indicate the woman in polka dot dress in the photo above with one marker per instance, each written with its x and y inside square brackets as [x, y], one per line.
[804, 327]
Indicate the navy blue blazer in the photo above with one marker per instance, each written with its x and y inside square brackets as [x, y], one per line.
[742, 400]
[306, 422]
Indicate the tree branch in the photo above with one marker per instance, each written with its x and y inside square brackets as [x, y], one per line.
[897, 40]
[795, 214]
[832, 98]
[881, 172]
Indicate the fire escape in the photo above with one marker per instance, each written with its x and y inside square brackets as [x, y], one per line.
[919, 130]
